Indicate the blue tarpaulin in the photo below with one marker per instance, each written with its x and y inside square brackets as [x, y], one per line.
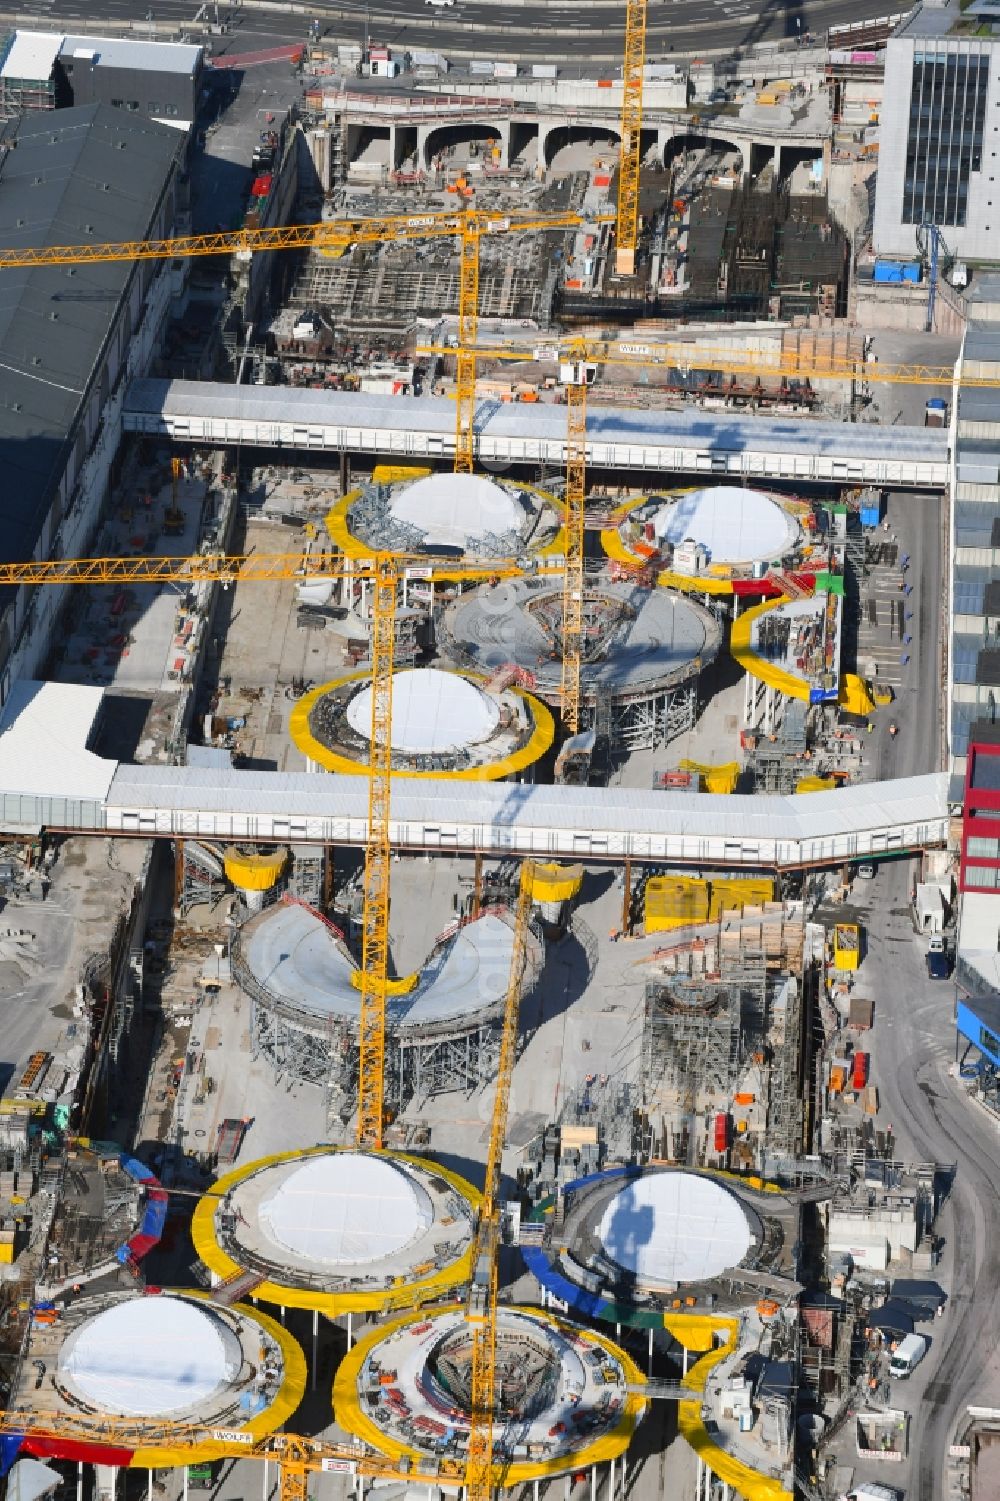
[10, 1448]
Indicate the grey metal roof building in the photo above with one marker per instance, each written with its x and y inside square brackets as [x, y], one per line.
[68, 177]
[689, 441]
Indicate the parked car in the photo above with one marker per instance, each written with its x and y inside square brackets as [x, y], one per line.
[865, 872]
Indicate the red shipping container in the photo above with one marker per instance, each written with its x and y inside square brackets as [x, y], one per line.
[261, 185]
[601, 180]
[722, 1132]
[859, 1077]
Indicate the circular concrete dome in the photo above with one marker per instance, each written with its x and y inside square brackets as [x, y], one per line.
[149, 1356]
[347, 1209]
[453, 510]
[433, 712]
[670, 1228]
[733, 524]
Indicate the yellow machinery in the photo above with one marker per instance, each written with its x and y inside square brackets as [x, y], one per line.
[482, 1304]
[630, 158]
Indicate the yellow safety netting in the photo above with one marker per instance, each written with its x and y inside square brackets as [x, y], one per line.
[741, 648]
[354, 1417]
[393, 474]
[425, 1283]
[698, 1333]
[815, 784]
[680, 901]
[286, 1400]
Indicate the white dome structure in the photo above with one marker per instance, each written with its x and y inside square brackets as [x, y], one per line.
[732, 524]
[455, 510]
[433, 712]
[150, 1356]
[347, 1208]
[670, 1228]
[340, 1230]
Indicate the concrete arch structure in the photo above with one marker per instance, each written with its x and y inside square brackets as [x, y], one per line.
[554, 137]
[434, 138]
[670, 143]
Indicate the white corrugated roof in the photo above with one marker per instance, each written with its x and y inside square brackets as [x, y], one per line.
[32, 55]
[730, 432]
[44, 729]
[865, 806]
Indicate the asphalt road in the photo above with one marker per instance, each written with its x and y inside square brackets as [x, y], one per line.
[912, 1046]
[588, 31]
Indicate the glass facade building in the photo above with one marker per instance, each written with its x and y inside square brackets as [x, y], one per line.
[944, 144]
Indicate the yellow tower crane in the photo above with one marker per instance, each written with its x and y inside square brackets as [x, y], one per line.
[630, 152]
[297, 1457]
[384, 573]
[469, 226]
[481, 1309]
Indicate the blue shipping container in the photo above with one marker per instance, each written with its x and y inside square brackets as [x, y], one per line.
[889, 271]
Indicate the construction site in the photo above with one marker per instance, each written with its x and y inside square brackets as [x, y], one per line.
[458, 852]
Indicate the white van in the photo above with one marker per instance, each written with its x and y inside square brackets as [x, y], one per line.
[869, 1491]
[439, 4]
[907, 1355]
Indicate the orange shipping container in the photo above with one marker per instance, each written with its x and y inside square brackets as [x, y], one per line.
[838, 1078]
[601, 180]
[744, 1099]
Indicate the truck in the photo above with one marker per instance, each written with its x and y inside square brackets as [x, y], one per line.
[907, 1356]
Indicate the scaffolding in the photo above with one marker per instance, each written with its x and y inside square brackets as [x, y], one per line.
[459, 1055]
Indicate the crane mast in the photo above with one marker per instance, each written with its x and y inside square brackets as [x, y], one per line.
[378, 857]
[482, 1305]
[630, 157]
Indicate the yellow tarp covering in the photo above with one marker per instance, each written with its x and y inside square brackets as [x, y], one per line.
[675, 902]
[391, 474]
[815, 784]
[766, 672]
[552, 882]
[715, 778]
[854, 695]
[737, 892]
[679, 901]
[254, 872]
